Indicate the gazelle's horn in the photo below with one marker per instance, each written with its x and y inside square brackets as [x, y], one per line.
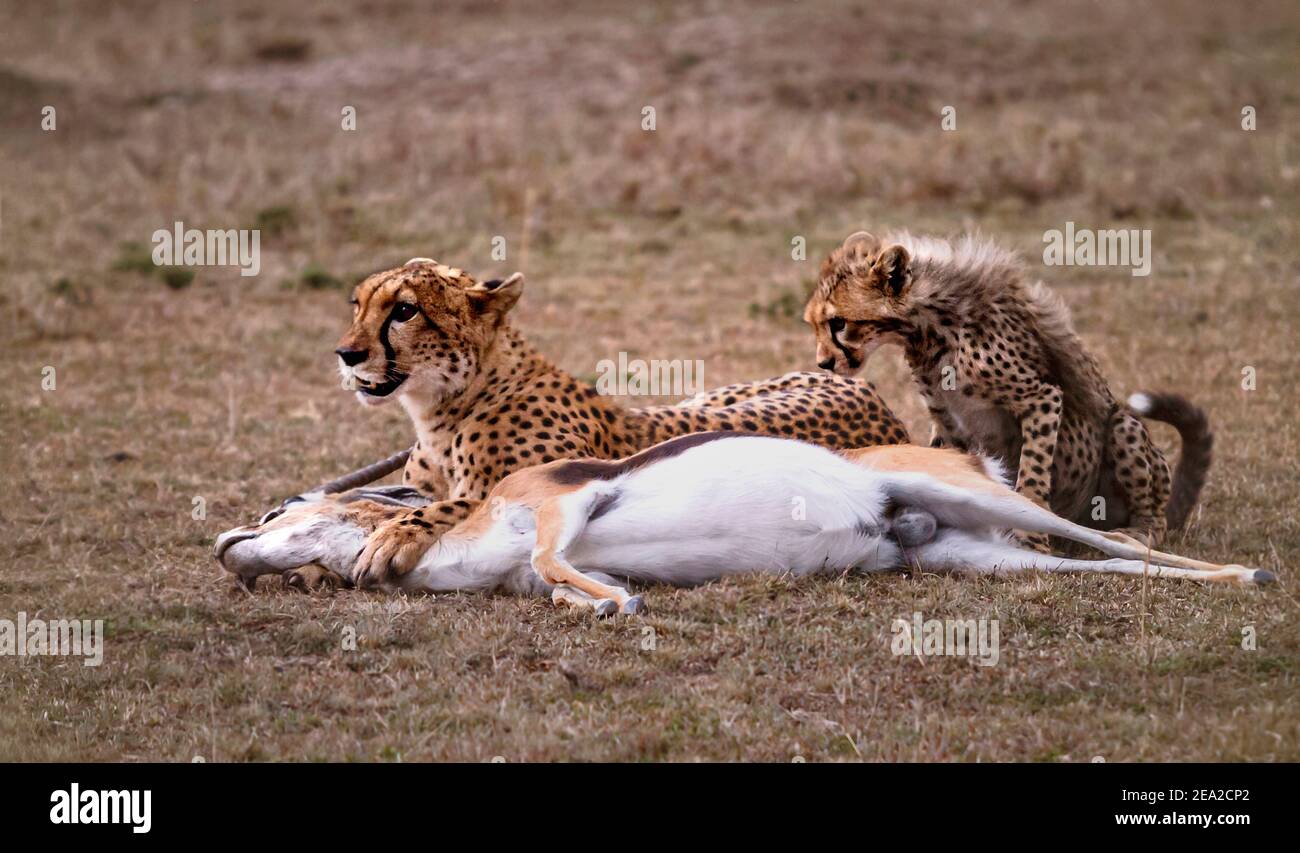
[366, 475]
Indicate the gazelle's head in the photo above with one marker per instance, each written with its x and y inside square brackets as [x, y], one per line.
[329, 530]
[421, 328]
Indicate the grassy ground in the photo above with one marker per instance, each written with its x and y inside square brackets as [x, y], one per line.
[523, 119]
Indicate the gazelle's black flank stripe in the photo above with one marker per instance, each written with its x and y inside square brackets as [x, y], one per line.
[581, 470]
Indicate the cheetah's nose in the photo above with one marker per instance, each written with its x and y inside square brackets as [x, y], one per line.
[827, 363]
[352, 357]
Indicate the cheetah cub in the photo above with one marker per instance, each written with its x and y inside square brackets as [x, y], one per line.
[1002, 371]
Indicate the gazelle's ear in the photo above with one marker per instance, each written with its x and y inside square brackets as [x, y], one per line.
[496, 297]
[892, 271]
[860, 243]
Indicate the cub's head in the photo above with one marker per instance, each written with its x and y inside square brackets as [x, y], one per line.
[421, 329]
[862, 300]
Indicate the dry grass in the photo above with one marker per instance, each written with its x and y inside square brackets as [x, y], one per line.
[523, 119]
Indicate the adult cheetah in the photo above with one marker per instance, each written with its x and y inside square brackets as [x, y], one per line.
[1002, 371]
[485, 403]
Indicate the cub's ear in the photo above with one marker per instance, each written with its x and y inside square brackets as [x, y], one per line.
[860, 243]
[892, 271]
[496, 297]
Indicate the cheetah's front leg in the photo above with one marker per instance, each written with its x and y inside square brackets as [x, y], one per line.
[943, 432]
[397, 545]
[1039, 414]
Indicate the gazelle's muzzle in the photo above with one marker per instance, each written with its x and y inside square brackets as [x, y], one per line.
[238, 553]
[229, 538]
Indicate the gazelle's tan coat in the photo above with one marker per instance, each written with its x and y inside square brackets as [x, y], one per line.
[707, 505]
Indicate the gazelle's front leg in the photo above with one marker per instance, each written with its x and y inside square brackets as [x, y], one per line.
[560, 520]
[574, 597]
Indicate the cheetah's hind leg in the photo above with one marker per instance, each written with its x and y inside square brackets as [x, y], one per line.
[1141, 475]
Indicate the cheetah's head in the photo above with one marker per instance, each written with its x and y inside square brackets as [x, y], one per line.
[861, 301]
[421, 329]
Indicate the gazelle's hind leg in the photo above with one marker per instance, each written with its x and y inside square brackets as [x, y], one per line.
[963, 551]
[560, 520]
[993, 505]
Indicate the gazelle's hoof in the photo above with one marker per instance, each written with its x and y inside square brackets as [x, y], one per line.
[635, 606]
[1263, 576]
[605, 608]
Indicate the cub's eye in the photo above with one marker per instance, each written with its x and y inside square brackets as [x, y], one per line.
[404, 311]
[836, 324]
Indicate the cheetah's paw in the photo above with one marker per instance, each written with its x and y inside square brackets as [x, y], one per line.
[394, 549]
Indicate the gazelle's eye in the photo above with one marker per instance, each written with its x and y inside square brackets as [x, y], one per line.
[404, 311]
[836, 324]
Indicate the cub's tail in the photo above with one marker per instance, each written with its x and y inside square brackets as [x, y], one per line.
[1198, 445]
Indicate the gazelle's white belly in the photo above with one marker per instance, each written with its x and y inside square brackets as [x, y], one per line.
[739, 505]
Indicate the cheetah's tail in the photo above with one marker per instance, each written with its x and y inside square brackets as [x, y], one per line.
[1197, 453]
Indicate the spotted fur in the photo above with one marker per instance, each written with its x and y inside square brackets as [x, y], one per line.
[1002, 371]
[485, 403]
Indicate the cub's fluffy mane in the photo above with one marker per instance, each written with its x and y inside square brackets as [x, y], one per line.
[967, 274]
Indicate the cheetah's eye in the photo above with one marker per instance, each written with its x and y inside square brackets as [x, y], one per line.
[404, 311]
[836, 324]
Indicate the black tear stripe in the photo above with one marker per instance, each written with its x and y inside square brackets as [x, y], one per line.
[390, 354]
[848, 356]
[392, 376]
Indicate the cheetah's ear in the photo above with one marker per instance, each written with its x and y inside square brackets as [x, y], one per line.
[892, 271]
[496, 297]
